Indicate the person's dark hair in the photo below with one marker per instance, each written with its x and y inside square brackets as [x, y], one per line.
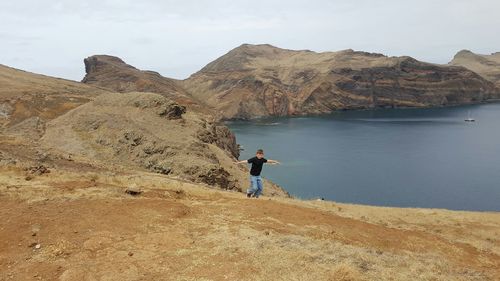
[260, 151]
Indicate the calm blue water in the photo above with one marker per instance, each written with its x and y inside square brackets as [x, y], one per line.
[402, 157]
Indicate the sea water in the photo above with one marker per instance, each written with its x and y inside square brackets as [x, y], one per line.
[395, 157]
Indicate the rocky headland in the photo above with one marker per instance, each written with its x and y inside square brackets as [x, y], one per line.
[262, 80]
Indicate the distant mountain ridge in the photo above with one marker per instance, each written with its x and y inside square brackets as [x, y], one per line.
[262, 80]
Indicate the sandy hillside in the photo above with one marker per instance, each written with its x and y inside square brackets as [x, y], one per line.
[79, 224]
[25, 95]
[487, 66]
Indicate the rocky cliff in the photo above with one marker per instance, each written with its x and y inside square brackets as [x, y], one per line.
[262, 80]
[487, 66]
[114, 74]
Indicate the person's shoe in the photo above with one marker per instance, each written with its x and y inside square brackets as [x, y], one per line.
[249, 195]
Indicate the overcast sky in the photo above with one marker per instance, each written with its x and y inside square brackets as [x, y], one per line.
[177, 38]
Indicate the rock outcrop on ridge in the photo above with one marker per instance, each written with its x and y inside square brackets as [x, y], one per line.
[114, 74]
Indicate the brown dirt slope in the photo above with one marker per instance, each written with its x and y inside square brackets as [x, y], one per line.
[25, 95]
[81, 225]
[487, 66]
[148, 131]
[262, 80]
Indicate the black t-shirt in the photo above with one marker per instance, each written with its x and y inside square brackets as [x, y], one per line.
[256, 165]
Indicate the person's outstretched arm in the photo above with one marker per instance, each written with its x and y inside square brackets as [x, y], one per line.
[242, 162]
[269, 161]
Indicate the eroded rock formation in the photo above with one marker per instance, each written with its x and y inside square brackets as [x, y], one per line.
[114, 74]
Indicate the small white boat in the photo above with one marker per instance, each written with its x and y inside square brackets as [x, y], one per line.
[469, 119]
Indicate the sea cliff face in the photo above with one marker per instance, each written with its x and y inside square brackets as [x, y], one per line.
[262, 80]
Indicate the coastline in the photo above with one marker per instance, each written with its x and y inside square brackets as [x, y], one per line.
[333, 156]
[306, 115]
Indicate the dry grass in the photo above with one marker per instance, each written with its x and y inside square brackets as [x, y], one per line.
[344, 272]
[89, 229]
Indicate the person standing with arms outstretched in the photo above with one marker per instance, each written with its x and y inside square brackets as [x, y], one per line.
[257, 162]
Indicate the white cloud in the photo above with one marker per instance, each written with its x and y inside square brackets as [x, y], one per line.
[177, 38]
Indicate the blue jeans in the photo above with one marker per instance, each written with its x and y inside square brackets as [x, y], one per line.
[255, 186]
